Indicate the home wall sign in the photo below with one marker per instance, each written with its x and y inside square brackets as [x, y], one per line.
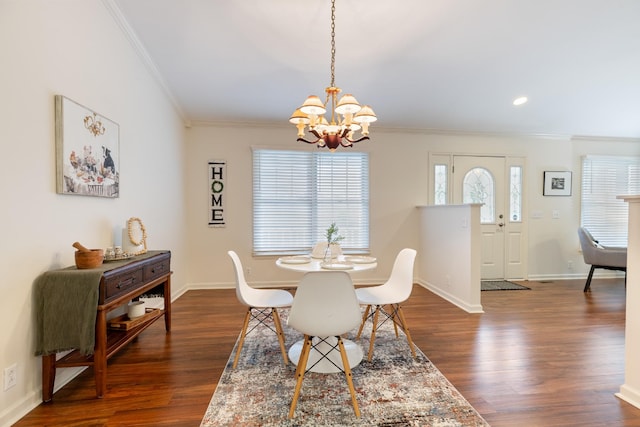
[87, 151]
[217, 179]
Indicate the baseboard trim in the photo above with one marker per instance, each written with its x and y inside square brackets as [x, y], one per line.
[469, 308]
[605, 274]
[630, 395]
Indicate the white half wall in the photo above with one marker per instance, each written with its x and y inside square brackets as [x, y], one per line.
[449, 255]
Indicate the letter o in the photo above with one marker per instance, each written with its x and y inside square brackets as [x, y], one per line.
[217, 186]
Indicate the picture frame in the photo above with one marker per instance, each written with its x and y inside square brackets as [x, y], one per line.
[87, 151]
[557, 183]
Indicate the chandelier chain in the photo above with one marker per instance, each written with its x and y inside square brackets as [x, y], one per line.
[347, 115]
[333, 43]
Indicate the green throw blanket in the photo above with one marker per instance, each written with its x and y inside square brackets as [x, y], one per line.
[65, 304]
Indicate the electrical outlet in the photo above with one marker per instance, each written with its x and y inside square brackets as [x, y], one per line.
[248, 271]
[570, 265]
[10, 376]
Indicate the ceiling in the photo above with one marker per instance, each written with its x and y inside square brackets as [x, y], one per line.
[438, 65]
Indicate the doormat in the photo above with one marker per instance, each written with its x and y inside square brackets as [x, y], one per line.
[501, 285]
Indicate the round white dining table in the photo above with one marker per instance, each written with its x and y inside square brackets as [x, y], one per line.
[327, 345]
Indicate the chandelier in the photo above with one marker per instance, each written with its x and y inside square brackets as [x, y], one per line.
[347, 116]
[94, 125]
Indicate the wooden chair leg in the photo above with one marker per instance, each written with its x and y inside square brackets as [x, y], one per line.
[588, 284]
[373, 332]
[242, 335]
[278, 325]
[406, 330]
[394, 320]
[364, 319]
[347, 373]
[300, 371]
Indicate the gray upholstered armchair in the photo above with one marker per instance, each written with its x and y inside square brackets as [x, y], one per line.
[611, 258]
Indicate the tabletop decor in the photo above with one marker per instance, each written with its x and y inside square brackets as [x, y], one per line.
[87, 258]
[296, 259]
[137, 236]
[306, 264]
[337, 265]
[87, 151]
[360, 259]
[333, 238]
[394, 389]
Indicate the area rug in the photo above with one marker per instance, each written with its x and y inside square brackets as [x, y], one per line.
[501, 285]
[393, 389]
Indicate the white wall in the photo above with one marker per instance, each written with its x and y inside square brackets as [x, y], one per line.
[398, 179]
[74, 48]
[399, 183]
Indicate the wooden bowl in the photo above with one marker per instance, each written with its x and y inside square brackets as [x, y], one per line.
[91, 259]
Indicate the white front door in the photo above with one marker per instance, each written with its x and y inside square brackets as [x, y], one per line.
[478, 179]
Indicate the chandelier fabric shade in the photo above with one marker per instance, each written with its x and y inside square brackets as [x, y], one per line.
[347, 115]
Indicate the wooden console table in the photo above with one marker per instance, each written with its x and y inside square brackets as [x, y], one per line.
[118, 282]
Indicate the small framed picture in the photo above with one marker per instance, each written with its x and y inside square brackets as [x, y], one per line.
[557, 183]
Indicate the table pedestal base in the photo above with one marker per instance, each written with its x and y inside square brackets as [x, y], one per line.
[354, 355]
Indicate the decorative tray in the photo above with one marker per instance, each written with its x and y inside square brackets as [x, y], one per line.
[297, 259]
[336, 265]
[123, 322]
[357, 259]
[118, 258]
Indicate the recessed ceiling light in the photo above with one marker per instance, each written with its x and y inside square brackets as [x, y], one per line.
[520, 100]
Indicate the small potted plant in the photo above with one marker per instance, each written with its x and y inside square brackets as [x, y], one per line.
[332, 239]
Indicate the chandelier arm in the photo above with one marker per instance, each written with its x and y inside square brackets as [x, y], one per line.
[308, 142]
[345, 143]
[364, 138]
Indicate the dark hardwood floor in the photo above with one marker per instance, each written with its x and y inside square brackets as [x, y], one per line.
[551, 356]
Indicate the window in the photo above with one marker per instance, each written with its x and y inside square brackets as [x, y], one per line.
[478, 187]
[440, 184]
[515, 194]
[604, 178]
[298, 194]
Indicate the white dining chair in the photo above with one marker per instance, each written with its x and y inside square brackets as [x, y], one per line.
[392, 293]
[324, 307]
[262, 304]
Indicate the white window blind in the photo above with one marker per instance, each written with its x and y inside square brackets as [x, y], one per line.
[604, 178]
[298, 194]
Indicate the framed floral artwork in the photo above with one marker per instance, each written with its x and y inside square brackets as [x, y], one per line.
[87, 151]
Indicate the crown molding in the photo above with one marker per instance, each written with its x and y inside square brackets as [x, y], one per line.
[424, 131]
[604, 138]
[141, 51]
